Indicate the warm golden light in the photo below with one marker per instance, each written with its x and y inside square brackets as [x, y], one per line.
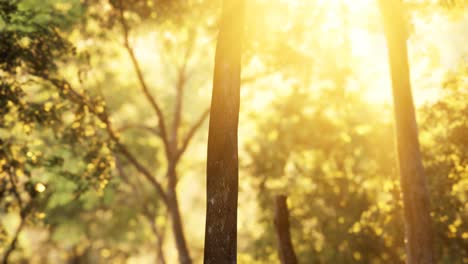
[106, 117]
[39, 187]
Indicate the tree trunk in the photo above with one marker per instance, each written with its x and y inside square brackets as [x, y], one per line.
[177, 228]
[412, 178]
[222, 164]
[285, 246]
[176, 219]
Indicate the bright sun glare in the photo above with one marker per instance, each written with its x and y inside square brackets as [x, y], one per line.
[354, 20]
[369, 50]
[342, 21]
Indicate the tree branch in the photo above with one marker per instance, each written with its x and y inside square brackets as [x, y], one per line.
[191, 133]
[124, 150]
[141, 80]
[103, 117]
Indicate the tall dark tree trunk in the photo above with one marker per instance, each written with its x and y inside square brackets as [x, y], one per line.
[222, 165]
[412, 178]
[283, 233]
[176, 218]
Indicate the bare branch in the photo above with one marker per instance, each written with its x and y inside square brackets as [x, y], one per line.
[191, 133]
[144, 86]
[124, 150]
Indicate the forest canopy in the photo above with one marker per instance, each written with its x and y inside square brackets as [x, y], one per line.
[125, 124]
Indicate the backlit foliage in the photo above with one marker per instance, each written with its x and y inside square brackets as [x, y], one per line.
[316, 124]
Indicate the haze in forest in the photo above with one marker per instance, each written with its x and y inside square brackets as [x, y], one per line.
[119, 126]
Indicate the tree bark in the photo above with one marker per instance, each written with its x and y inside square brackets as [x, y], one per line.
[285, 246]
[222, 164]
[176, 219]
[177, 228]
[412, 177]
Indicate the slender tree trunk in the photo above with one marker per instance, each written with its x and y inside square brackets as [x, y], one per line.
[176, 219]
[412, 178]
[222, 165]
[177, 228]
[285, 246]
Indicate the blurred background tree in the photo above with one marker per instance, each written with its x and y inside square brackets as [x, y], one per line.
[315, 124]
